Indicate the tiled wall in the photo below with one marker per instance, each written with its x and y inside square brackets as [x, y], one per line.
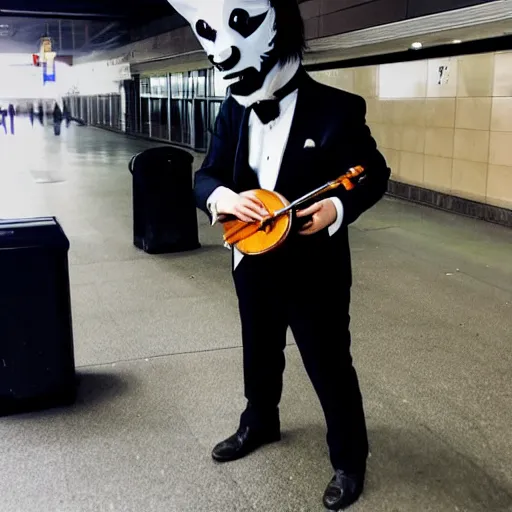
[443, 124]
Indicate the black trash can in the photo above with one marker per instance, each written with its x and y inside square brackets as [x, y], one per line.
[37, 367]
[164, 209]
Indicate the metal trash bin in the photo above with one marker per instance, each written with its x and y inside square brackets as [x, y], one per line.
[37, 366]
[164, 209]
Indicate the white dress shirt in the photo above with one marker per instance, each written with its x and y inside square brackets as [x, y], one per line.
[267, 144]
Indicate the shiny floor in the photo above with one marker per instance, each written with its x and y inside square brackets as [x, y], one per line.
[158, 350]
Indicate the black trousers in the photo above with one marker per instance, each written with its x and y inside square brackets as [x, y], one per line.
[276, 291]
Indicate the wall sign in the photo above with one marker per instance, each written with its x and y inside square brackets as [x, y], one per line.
[444, 75]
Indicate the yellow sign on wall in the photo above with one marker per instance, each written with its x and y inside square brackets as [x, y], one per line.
[46, 44]
[46, 48]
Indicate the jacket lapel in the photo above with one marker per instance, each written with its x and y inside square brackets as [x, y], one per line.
[243, 176]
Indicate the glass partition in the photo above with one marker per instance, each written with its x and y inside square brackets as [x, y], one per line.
[176, 121]
[177, 107]
[200, 125]
[144, 116]
[218, 85]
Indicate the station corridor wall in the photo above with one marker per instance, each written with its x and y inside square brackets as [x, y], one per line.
[443, 124]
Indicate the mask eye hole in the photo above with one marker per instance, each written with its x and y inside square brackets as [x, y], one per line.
[204, 30]
[244, 24]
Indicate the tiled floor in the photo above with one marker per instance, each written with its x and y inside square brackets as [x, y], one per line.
[158, 350]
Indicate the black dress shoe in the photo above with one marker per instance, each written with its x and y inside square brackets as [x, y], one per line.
[343, 490]
[243, 442]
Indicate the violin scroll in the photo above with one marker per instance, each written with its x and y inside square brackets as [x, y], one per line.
[345, 180]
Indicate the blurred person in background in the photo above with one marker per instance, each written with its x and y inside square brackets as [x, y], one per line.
[57, 119]
[31, 113]
[12, 113]
[40, 113]
[3, 116]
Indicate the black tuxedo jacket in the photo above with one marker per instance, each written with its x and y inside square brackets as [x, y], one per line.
[335, 121]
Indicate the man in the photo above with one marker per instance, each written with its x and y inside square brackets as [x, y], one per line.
[12, 113]
[280, 130]
[57, 118]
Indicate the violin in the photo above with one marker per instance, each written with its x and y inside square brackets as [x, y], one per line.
[259, 237]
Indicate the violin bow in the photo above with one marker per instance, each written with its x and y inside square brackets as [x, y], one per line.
[242, 230]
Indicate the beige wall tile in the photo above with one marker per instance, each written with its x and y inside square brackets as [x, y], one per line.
[469, 179]
[440, 112]
[377, 130]
[472, 145]
[445, 85]
[411, 167]
[473, 113]
[452, 136]
[438, 173]
[501, 148]
[416, 112]
[476, 75]
[339, 78]
[501, 119]
[398, 112]
[387, 110]
[392, 136]
[499, 186]
[373, 110]
[392, 157]
[413, 139]
[439, 142]
[403, 80]
[503, 74]
[365, 81]
[410, 112]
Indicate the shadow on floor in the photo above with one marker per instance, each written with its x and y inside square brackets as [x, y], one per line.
[405, 459]
[95, 388]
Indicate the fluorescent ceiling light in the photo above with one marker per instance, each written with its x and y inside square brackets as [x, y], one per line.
[416, 46]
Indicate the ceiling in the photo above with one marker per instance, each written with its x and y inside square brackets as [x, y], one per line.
[85, 8]
[78, 27]
[480, 22]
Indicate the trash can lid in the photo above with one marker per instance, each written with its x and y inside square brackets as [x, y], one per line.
[159, 158]
[32, 232]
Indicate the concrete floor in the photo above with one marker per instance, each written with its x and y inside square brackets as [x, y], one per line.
[158, 351]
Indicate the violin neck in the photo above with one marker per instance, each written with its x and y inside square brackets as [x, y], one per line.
[342, 180]
[310, 195]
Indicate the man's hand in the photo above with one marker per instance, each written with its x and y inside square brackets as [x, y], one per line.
[323, 214]
[245, 206]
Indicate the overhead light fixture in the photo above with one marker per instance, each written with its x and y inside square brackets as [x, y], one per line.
[416, 46]
[4, 26]
[456, 41]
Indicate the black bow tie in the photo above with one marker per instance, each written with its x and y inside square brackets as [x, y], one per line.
[268, 110]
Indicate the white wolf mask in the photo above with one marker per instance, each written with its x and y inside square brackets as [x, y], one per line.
[237, 35]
